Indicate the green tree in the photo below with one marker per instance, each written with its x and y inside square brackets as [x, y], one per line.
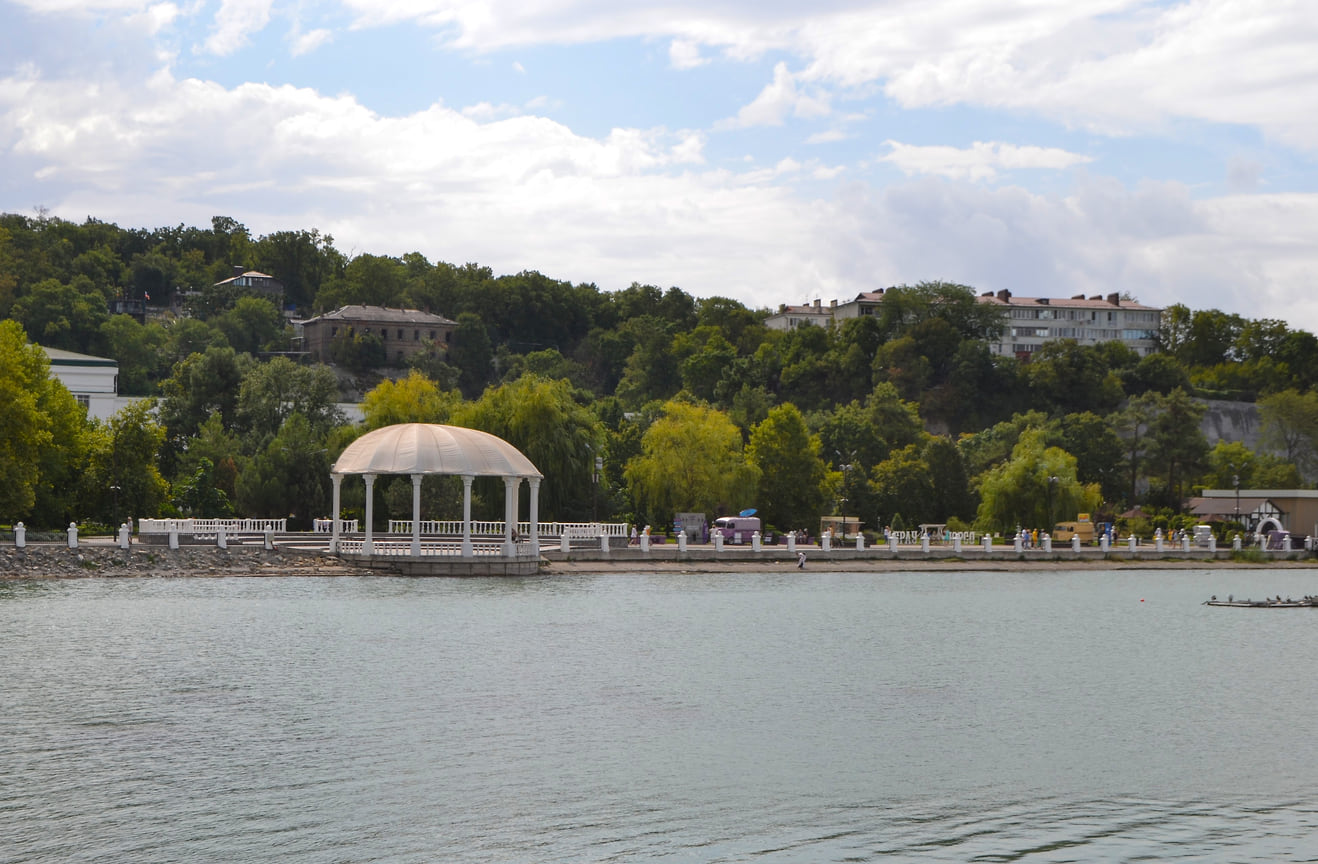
[1098, 451]
[289, 477]
[63, 316]
[902, 484]
[791, 472]
[138, 349]
[1289, 422]
[1177, 443]
[691, 462]
[472, 354]
[200, 496]
[25, 432]
[123, 478]
[273, 391]
[253, 324]
[1133, 424]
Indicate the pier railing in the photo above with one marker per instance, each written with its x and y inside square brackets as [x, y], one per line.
[205, 527]
[545, 530]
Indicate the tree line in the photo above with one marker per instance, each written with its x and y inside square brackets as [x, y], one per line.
[691, 404]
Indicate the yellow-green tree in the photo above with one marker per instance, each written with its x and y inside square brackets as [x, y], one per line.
[414, 399]
[691, 461]
[24, 429]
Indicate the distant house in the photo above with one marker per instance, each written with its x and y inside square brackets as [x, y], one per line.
[93, 381]
[790, 317]
[257, 283]
[1028, 322]
[403, 332]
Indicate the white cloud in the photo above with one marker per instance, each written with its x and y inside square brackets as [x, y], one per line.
[305, 43]
[685, 54]
[236, 20]
[776, 102]
[981, 161]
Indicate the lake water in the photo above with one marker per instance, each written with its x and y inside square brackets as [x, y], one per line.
[816, 717]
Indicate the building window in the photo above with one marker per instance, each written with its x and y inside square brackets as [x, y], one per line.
[432, 334]
[84, 400]
[416, 335]
[400, 334]
[334, 331]
[448, 335]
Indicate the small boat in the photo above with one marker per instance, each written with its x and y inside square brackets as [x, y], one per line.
[1267, 603]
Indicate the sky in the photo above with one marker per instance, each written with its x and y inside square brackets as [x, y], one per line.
[770, 151]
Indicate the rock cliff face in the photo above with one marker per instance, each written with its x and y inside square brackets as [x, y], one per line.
[1232, 421]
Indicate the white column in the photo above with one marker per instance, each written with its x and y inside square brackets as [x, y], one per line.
[535, 513]
[1075, 542]
[510, 486]
[467, 551]
[956, 543]
[988, 544]
[20, 536]
[336, 480]
[416, 515]
[368, 548]
[860, 542]
[791, 542]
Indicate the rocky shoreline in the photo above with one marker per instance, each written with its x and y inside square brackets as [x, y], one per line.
[57, 561]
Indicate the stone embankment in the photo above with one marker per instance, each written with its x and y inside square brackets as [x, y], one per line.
[57, 561]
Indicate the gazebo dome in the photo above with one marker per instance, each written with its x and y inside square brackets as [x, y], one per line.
[432, 448]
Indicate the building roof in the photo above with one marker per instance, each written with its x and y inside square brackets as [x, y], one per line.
[60, 357]
[432, 448]
[1227, 506]
[1261, 493]
[1065, 303]
[383, 315]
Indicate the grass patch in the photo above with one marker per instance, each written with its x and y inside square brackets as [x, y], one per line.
[1250, 556]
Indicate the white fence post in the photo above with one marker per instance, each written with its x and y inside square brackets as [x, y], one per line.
[645, 539]
[20, 535]
[860, 542]
[1133, 542]
[1212, 544]
[755, 541]
[125, 536]
[892, 543]
[924, 542]
[956, 543]
[1185, 543]
[220, 540]
[681, 541]
[1075, 543]
[718, 540]
[73, 535]
[791, 541]
[1103, 542]
[988, 544]
[604, 543]
[173, 537]
[826, 540]
[1235, 542]
[1048, 543]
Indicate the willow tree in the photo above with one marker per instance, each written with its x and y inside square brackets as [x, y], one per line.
[544, 420]
[1036, 487]
[691, 461]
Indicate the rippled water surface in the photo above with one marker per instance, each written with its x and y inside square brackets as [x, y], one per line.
[817, 717]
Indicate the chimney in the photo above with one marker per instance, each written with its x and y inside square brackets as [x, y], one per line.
[1114, 299]
[1078, 297]
[987, 294]
[832, 304]
[1042, 301]
[239, 270]
[1096, 297]
[1004, 295]
[782, 307]
[818, 302]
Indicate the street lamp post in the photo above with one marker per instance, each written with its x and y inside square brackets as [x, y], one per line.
[1235, 481]
[1052, 484]
[595, 489]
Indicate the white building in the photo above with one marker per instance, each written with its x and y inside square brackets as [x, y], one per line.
[1028, 322]
[93, 381]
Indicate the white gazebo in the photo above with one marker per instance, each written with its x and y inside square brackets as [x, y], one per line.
[418, 449]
